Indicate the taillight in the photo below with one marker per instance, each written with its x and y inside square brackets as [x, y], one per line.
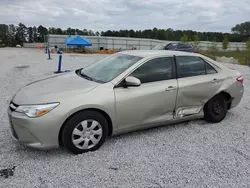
[240, 79]
[195, 51]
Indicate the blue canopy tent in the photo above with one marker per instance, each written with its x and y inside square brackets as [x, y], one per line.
[77, 41]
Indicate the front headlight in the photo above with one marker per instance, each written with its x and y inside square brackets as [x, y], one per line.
[36, 110]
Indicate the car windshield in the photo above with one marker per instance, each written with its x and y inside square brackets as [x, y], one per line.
[159, 47]
[108, 68]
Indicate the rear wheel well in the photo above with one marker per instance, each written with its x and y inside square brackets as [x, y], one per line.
[106, 116]
[227, 97]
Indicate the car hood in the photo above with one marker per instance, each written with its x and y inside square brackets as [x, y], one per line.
[53, 88]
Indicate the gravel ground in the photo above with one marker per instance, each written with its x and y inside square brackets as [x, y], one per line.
[191, 154]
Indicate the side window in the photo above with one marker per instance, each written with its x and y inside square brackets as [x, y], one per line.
[171, 46]
[210, 69]
[155, 70]
[184, 46]
[188, 66]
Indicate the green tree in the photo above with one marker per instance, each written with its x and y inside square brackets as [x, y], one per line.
[247, 58]
[225, 43]
[4, 33]
[73, 31]
[131, 33]
[169, 34]
[184, 38]
[30, 35]
[242, 29]
[161, 34]
[69, 31]
[91, 33]
[154, 33]
[85, 32]
[59, 31]
[21, 33]
[11, 35]
[248, 44]
[196, 40]
[34, 34]
[78, 32]
[97, 33]
[52, 30]
[42, 31]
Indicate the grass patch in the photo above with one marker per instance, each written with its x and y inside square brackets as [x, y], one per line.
[242, 56]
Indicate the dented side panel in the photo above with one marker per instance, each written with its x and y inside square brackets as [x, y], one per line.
[195, 91]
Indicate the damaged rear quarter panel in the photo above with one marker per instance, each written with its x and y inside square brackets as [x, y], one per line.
[195, 91]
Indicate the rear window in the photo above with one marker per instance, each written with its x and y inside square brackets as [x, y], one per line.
[184, 46]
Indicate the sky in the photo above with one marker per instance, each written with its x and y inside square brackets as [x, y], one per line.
[102, 15]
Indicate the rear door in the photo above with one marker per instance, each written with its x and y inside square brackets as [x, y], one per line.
[153, 101]
[198, 81]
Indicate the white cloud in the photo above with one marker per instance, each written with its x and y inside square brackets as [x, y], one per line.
[202, 15]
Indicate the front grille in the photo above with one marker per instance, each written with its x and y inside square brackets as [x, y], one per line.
[13, 106]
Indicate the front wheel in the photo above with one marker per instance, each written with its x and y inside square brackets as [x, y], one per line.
[85, 131]
[216, 109]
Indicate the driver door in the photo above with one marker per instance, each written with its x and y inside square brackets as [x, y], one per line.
[153, 101]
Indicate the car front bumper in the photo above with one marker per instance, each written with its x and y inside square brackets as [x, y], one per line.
[38, 133]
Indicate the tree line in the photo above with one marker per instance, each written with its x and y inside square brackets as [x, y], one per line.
[11, 35]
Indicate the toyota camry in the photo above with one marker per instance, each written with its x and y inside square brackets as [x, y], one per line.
[124, 92]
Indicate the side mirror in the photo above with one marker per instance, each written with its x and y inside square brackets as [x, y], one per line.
[132, 81]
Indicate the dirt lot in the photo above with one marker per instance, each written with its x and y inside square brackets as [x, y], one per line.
[191, 154]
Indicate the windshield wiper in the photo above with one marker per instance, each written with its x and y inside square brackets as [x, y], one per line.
[87, 77]
[79, 73]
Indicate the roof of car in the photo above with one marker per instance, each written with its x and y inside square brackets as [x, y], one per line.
[149, 53]
[174, 43]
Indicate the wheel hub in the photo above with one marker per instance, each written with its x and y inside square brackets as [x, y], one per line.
[87, 134]
[217, 107]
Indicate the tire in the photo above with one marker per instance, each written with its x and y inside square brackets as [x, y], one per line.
[85, 131]
[216, 109]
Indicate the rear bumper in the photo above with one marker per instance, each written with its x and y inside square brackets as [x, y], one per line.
[237, 96]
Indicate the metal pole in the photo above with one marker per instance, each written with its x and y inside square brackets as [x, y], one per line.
[98, 41]
[59, 65]
[46, 48]
[49, 58]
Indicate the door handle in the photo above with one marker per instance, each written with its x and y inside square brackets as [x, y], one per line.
[170, 88]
